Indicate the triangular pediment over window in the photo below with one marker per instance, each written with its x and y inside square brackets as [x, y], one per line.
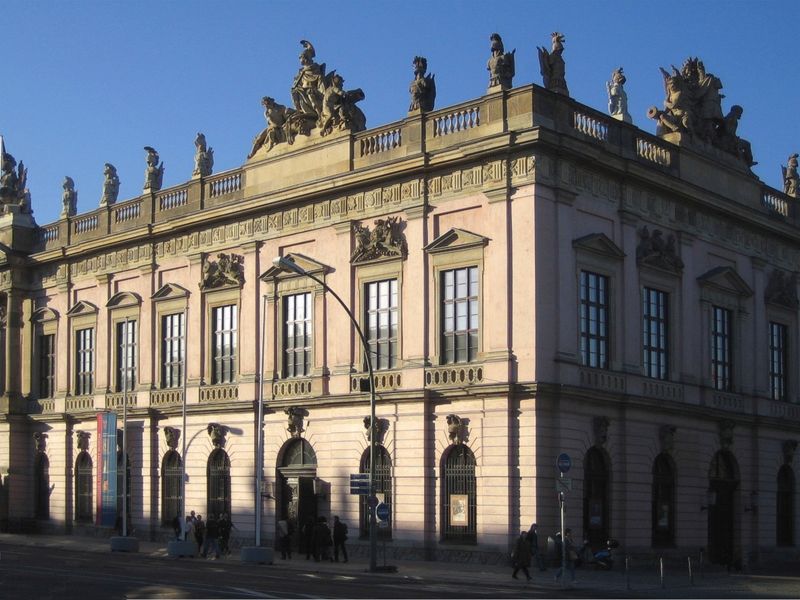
[169, 291]
[456, 239]
[598, 243]
[727, 279]
[44, 315]
[82, 308]
[309, 265]
[124, 299]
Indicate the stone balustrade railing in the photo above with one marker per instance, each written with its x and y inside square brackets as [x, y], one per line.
[219, 393]
[775, 202]
[384, 381]
[79, 403]
[591, 126]
[86, 224]
[50, 234]
[381, 141]
[118, 400]
[291, 388]
[453, 375]
[128, 211]
[224, 184]
[166, 397]
[458, 120]
[652, 152]
[173, 198]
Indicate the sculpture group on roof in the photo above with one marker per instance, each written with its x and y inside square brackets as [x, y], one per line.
[13, 182]
[552, 65]
[693, 105]
[791, 181]
[617, 98]
[203, 157]
[423, 88]
[154, 172]
[501, 65]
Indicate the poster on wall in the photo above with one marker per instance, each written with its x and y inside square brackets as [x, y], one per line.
[106, 514]
[459, 515]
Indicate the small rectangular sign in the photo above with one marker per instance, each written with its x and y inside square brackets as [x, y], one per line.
[564, 484]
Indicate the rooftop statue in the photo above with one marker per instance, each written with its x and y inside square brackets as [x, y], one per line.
[277, 117]
[154, 173]
[69, 198]
[791, 181]
[110, 185]
[423, 88]
[308, 87]
[501, 65]
[13, 180]
[617, 98]
[693, 105]
[552, 65]
[203, 157]
[339, 108]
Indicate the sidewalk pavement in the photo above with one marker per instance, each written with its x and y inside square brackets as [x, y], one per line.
[640, 582]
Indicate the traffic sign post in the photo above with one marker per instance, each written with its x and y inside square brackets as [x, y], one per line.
[359, 484]
[383, 511]
[563, 485]
[564, 463]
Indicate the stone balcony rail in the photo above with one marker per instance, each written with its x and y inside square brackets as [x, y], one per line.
[119, 399]
[79, 403]
[219, 393]
[421, 136]
[453, 375]
[291, 388]
[384, 381]
[42, 406]
[166, 397]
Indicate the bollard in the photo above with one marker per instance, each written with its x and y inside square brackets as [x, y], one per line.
[627, 572]
[661, 570]
[691, 575]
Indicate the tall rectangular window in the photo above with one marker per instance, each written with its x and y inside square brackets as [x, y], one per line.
[297, 335]
[721, 348]
[47, 366]
[594, 319]
[382, 323]
[777, 361]
[655, 339]
[126, 355]
[173, 350]
[84, 361]
[460, 304]
[225, 326]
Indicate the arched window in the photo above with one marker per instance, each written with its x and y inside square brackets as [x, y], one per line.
[218, 477]
[383, 488]
[170, 487]
[83, 487]
[784, 518]
[723, 518]
[42, 485]
[459, 497]
[596, 485]
[299, 453]
[663, 501]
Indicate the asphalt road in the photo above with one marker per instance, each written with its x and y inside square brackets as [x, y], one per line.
[54, 573]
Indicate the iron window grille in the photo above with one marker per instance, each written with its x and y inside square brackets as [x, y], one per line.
[297, 335]
[126, 355]
[777, 360]
[460, 315]
[382, 323]
[721, 346]
[594, 313]
[47, 366]
[83, 487]
[171, 497]
[459, 519]
[218, 477]
[655, 328]
[225, 323]
[173, 350]
[84, 364]
[383, 486]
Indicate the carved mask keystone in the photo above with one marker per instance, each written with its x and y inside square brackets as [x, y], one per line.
[40, 441]
[600, 427]
[83, 439]
[666, 437]
[172, 436]
[295, 416]
[726, 434]
[217, 434]
[789, 448]
[454, 429]
[381, 425]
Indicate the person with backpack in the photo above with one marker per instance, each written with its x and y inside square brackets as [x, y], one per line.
[339, 538]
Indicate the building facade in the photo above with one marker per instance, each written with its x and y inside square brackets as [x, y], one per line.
[532, 276]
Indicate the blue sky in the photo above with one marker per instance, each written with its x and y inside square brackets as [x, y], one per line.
[89, 82]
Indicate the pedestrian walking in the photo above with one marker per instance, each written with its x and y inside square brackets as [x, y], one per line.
[224, 526]
[339, 538]
[285, 538]
[321, 541]
[533, 541]
[211, 541]
[308, 537]
[522, 555]
[190, 530]
[571, 556]
[200, 533]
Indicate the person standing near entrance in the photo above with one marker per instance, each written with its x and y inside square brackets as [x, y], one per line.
[339, 538]
[522, 555]
[284, 538]
[200, 533]
[571, 555]
[533, 541]
[308, 536]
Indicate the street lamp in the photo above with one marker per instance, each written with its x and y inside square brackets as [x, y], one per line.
[282, 262]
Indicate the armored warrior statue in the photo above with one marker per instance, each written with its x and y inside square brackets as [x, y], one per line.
[501, 65]
[617, 98]
[110, 185]
[203, 157]
[423, 88]
[12, 182]
[552, 65]
[791, 181]
[339, 108]
[278, 130]
[309, 83]
[154, 173]
[69, 198]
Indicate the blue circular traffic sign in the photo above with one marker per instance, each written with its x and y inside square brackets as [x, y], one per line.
[563, 462]
[382, 512]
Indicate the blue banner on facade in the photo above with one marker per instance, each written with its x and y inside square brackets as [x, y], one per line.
[107, 469]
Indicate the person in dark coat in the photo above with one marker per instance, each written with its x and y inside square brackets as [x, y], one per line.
[522, 555]
[533, 541]
[322, 540]
[339, 538]
[308, 536]
[200, 533]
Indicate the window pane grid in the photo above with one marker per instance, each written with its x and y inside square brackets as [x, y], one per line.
[223, 349]
[460, 309]
[777, 360]
[594, 319]
[173, 349]
[382, 323]
[84, 361]
[297, 339]
[655, 350]
[126, 355]
[721, 359]
[47, 366]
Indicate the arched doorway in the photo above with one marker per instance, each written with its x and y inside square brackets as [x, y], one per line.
[171, 472]
[383, 489]
[83, 487]
[297, 470]
[42, 485]
[784, 517]
[459, 496]
[663, 509]
[218, 480]
[723, 482]
[596, 485]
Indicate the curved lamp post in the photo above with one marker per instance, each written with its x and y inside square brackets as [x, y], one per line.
[286, 264]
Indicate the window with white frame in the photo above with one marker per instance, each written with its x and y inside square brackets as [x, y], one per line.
[460, 314]
[382, 322]
[778, 333]
[594, 316]
[84, 361]
[126, 355]
[721, 348]
[655, 333]
[297, 335]
[225, 327]
[173, 350]
[47, 365]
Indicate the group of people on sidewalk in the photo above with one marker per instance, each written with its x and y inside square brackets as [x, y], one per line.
[526, 550]
[211, 536]
[316, 537]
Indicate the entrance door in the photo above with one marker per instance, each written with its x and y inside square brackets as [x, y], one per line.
[297, 470]
[723, 483]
